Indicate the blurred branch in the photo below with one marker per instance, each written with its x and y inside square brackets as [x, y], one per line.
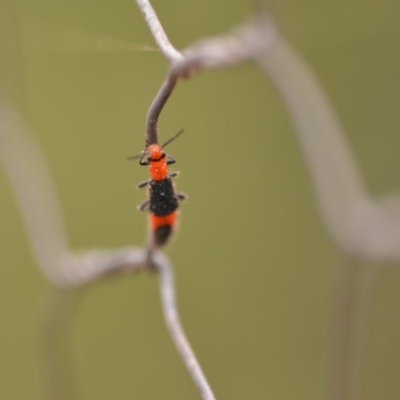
[29, 177]
[337, 182]
[361, 225]
[365, 229]
[28, 174]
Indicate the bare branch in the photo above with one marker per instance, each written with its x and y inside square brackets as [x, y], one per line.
[80, 269]
[28, 174]
[244, 43]
[156, 107]
[167, 289]
[157, 31]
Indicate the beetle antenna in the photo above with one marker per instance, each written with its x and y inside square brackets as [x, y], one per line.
[173, 138]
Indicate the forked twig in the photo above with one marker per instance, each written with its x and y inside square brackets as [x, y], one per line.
[243, 44]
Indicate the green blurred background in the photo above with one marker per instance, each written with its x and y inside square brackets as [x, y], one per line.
[254, 264]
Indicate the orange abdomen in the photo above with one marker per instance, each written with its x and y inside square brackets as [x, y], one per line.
[163, 227]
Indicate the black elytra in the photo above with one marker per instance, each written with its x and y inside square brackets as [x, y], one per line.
[163, 198]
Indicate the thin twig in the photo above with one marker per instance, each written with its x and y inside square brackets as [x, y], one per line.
[167, 289]
[156, 107]
[172, 55]
[157, 31]
[80, 269]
